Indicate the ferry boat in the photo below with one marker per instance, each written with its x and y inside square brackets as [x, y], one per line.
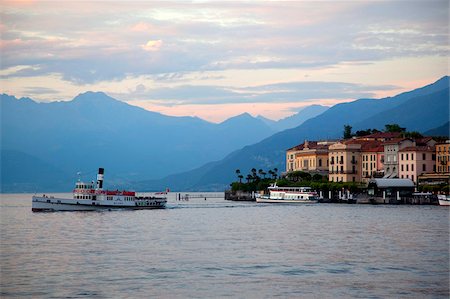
[289, 195]
[87, 197]
[444, 200]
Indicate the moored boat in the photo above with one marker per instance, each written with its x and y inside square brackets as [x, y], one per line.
[289, 195]
[444, 200]
[90, 197]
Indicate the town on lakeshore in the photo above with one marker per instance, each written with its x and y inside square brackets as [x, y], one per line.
[370, 166]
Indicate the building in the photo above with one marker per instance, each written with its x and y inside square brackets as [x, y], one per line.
[391, 149]
[313, 157]
[372, 158]
[443, 157]
[344, 160]
[416, 160]
[310, 156]
[290, 157]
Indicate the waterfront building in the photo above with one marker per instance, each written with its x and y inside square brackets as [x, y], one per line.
[443, 157]
[344, 160]
[372, 158]
[391, 149]
[313, 157]
[442, 174]
[290, 157]
[310, 156]
[416, 160]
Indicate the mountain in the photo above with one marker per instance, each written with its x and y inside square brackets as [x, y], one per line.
[299, 118]
[94, 130]
[294, 120]
[419, 110]
[16, 176]
[439, 131]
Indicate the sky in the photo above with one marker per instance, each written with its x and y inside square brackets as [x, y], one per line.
[217, 59]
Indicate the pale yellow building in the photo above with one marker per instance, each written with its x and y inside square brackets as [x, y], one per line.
[344, 162]
[313, 157]
[310, 156]
[443, 157]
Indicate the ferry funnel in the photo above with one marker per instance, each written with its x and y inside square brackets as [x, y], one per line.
[101, 171]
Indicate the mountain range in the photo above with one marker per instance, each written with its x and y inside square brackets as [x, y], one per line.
[419, 110]
[44, 145]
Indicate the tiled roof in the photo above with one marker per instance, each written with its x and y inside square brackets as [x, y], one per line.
[420, 148]
[383, 135]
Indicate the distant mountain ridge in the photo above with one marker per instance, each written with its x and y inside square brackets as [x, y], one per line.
[421, 109]
[95, 130]
[294, 120]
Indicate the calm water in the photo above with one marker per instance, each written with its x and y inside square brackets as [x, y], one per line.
[214, 248]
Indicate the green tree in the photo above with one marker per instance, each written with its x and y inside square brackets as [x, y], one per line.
[238, 173]
[275, 173]
[393, 128]
[347, 131]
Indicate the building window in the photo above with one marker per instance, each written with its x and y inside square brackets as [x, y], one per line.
[320, 162]
[412, 177]
[412, 167]
[406, 156]
[407, 167]
[424, 167]
[424, 156]
[402, 157]
[402, 167]
[412, 156]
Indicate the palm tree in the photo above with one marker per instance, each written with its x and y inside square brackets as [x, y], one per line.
[249, 178]
[254, 173]
[240, 178]
[275, 173]
[262, 172]
[238, 172]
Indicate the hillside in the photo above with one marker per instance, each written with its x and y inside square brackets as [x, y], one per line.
[95, 130]
[420, 110]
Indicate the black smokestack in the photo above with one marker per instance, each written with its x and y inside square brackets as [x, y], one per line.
[101, 171]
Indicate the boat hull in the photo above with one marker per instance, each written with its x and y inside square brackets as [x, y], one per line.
[444, 202]
[290, 201]
[50, 204]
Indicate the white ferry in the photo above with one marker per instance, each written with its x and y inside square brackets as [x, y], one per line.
[289, 195]
[87, 197]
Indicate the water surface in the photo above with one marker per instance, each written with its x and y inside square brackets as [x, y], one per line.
[215, 248]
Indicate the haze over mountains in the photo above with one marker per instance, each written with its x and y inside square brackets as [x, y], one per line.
[44, 145]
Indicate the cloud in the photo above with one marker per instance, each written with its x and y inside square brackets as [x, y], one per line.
[152, 45]
[270, 93]
[85, 47]
[40, 90]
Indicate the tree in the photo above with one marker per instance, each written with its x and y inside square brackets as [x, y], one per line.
[393, 128]
[413, 135]
[263, 173]
[238, 173]
[347, 131]
[275, 173]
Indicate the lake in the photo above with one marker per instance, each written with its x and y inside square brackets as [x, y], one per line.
[215, 248]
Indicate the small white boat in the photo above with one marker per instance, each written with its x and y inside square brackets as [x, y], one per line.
[289, 195]
[86, 197]
[444, 200]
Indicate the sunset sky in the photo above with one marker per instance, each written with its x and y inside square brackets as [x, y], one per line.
[219, 59]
